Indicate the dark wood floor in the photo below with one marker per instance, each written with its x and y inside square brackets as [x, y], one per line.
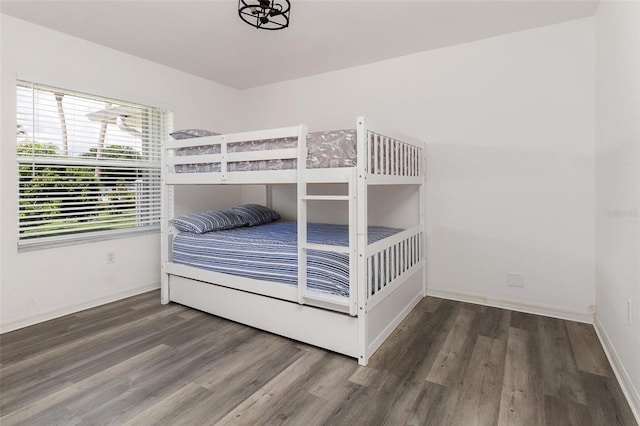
[137, 362]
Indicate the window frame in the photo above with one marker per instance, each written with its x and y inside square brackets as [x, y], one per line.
[150, 167]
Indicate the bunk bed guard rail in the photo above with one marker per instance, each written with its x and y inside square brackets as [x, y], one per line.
[224, 157]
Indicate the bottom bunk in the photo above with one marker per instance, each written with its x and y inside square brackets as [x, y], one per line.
[253, 280]
[269, 252]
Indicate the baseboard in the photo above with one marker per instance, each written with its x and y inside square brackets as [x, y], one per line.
[530, 308]
[57, 313]
[630, 392]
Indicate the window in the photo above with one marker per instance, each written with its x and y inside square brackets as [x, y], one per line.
[89, 167]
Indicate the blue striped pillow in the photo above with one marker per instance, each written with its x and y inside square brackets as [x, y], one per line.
[213, 220]
[255, 214]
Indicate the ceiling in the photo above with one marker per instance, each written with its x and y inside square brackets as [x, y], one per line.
[208, 39]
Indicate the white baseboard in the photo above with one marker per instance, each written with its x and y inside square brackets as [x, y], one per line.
[57, 313]
[531, 308]
[630, 392]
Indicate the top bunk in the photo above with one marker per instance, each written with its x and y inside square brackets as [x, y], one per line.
[377, 155]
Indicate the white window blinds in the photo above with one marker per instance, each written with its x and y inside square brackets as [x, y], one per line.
[89, 166]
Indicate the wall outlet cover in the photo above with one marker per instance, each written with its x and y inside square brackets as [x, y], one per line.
[515, 279]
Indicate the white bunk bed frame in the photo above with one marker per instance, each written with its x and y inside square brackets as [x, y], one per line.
[386, 278]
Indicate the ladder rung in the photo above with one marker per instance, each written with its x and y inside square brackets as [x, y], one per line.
[326, 247]
[327, 298]
[326, 197]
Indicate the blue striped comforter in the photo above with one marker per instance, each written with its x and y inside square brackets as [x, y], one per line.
[269, 252]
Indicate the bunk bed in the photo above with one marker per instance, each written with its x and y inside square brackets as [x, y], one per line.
[384, 267]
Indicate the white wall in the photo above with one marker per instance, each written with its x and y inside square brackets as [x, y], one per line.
[618, 184]
[509, 126]
[41, 284]
[510, 153]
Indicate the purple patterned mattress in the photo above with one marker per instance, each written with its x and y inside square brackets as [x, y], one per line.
[335, 148]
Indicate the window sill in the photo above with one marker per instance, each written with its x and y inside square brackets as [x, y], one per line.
[41, 244]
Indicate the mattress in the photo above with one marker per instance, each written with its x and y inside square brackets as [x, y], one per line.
[269, 252]
[336, 148]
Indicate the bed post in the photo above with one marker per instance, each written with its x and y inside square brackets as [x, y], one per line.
[423, 214]
[361, 203]
[166, 212]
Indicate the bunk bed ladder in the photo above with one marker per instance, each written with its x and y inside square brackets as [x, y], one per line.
[305, 295]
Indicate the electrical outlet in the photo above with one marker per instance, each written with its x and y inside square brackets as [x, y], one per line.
[629, 311]
[111, 257]
[515, 280]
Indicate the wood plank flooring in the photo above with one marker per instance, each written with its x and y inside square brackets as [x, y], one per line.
[136, 362]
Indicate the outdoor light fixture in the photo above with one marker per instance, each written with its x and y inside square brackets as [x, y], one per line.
[265, 14]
